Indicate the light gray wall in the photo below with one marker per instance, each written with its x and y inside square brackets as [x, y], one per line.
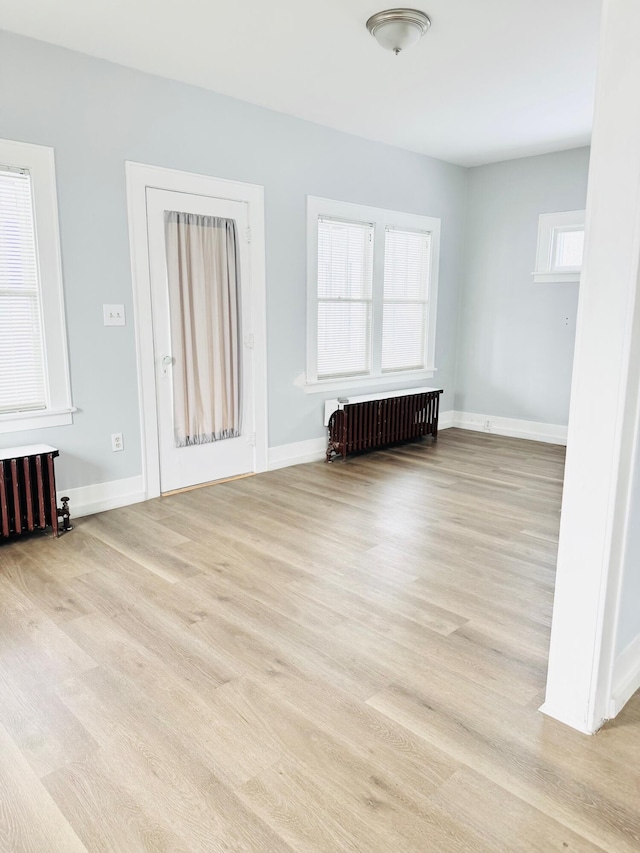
[97, 115]
[516, 338]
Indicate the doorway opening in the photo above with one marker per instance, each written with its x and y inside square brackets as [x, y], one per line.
[197, 251]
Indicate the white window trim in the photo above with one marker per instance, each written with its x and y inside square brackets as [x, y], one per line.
[548, 226]
[381, 219]
[39, 160]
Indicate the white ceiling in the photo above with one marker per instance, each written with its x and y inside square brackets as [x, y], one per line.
[491, 80]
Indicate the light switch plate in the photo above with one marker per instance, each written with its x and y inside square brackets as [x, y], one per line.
[113, 315]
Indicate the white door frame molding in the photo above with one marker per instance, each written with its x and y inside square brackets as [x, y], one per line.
[604, 413]
[140, 176]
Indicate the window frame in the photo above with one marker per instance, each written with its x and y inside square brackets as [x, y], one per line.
[40, 161]
[549, 226]
[381, 219]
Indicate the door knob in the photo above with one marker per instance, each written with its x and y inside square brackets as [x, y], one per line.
[167, 361]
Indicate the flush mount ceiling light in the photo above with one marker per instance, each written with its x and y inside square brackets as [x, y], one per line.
[398, 29]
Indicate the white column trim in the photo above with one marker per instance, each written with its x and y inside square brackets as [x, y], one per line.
[604, 395]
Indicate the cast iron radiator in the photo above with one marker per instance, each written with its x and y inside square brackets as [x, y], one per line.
[28, 491]
[364, 423]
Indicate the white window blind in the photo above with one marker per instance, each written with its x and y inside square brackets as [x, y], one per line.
[345, 284]
[407, 270]
[22, 371]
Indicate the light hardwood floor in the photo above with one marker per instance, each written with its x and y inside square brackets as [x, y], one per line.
[343, 657]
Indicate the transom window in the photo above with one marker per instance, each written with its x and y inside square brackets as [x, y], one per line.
[372, 286]
[567, 250]
[560, 247]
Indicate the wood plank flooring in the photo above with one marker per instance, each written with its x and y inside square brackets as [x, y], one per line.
[343, 657]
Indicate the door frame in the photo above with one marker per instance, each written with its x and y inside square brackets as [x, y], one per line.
[139, 176]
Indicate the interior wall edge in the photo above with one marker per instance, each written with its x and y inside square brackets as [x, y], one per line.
[625, 678]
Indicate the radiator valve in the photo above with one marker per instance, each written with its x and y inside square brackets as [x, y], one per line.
[65, 514]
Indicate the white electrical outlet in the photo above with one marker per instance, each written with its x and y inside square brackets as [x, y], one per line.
[116, 442]
[487, 425]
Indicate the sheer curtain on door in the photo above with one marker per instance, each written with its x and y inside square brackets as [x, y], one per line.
[203, 268]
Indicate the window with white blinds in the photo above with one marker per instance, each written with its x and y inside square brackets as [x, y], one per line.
[372, 283]
[22, 371]
[407, 267]
[34, 374]
[345, 286]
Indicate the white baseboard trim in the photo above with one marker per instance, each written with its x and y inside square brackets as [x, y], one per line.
[626, 677]
[295, 454]
[314, 448]
[514, 427]
[85, 500]
[578, 725]
[445, 419]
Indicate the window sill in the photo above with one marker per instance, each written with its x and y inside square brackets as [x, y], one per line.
[555, 277]
[387, 379]
[18, 421]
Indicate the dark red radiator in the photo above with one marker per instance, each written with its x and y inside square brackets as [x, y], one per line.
[28, 491]
[375, 423]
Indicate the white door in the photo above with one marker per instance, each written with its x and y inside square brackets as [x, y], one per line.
[183, 466]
